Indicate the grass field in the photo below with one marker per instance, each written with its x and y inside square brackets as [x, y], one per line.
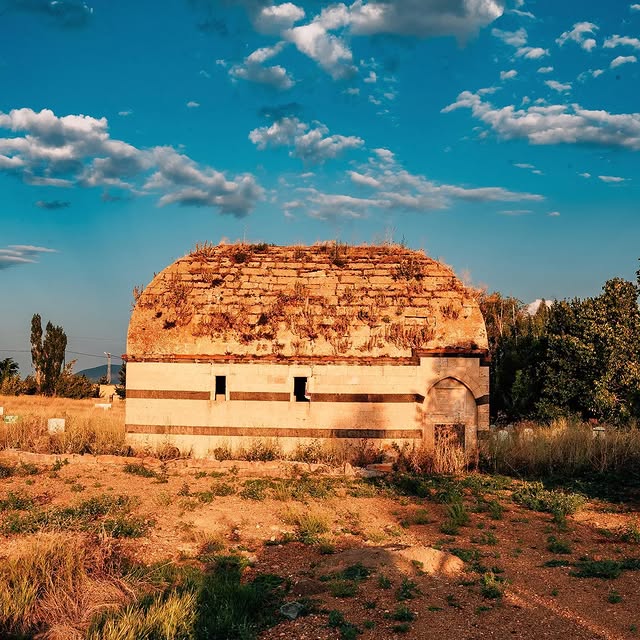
[108, 548]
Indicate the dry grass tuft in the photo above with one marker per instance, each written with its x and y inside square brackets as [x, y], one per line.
[447, 457]
[563, 448]
[87, 429]
[53, 584]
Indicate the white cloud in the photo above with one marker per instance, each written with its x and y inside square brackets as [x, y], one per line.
[522, 14]
[545, 69]
[553, 214]
[252, 68]
[372, 77]
[532, 53]
[192, 104]
[597, 72]
[620, 60]
[554, 124]
[532, 307]
[611, 179]
[324, 38]
[309, 144]
[530, 167]
[578, 35]
[392, 188]
[558, 86]
[424, 18]
[508, 75]
[17, 254]
[369, 181]
[514, 38]
[276, 18]
[516, 212]
[585, 175]
[621, 41]
[125, 113]
[76, 150]
[635, 7]
[329, 51]
[352, 91]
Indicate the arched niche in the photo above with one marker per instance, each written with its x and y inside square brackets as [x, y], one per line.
[450, 408]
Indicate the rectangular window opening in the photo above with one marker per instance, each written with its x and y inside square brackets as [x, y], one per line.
[300, 390]
[221, 387]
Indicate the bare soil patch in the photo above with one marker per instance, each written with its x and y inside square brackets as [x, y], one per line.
[362, 557]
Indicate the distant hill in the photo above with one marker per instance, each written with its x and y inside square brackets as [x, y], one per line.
[96, 373]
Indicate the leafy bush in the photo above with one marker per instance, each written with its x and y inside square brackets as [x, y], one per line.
[534, 496]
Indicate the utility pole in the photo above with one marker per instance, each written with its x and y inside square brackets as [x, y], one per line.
[108, 367]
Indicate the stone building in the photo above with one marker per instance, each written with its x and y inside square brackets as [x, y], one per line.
[233, 343]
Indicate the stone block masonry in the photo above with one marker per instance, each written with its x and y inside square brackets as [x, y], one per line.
[238, 342]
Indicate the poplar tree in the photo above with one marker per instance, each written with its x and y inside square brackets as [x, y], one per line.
[47, 355]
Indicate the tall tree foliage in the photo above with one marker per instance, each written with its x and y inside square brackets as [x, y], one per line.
[579, 356]
[47, 354]
[8, 369]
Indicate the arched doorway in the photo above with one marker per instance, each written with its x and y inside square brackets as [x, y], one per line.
[450, 412]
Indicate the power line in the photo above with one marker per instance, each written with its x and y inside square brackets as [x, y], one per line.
[91, 355]
[75, 353]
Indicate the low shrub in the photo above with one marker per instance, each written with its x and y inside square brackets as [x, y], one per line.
[534, 496]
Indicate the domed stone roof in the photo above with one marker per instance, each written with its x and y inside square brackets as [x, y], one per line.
[327, 302]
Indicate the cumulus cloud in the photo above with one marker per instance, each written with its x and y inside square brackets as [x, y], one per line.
[274, 19]
[514, 38]
[579, 35]
[635, 7]
[620, 60]
[545, 69]
[77, 150]
[508, 75]
[325, 37]
[311, 144]
[253, 70]
[391, 187]
[532, 53]
[315, 41]
[66, 13]
[17, 254]
[52, 205]
[554, 124]
[424, 18]
[621, 41]
[382, 184]
[560, 87]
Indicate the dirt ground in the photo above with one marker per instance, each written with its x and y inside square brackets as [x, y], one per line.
[416, 588]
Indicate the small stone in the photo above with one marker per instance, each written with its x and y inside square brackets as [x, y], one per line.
[349, 471]
[291, 610]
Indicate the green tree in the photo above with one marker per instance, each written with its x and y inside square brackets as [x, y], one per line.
[73, 385]
[8, 369]
[121, 387]
[47, 355]
[592, 361]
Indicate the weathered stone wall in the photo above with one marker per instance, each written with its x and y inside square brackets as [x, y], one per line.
[329, 301]
[175, 402]
[373, 329]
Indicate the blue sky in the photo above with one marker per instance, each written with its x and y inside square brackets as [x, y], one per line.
[500, 137]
